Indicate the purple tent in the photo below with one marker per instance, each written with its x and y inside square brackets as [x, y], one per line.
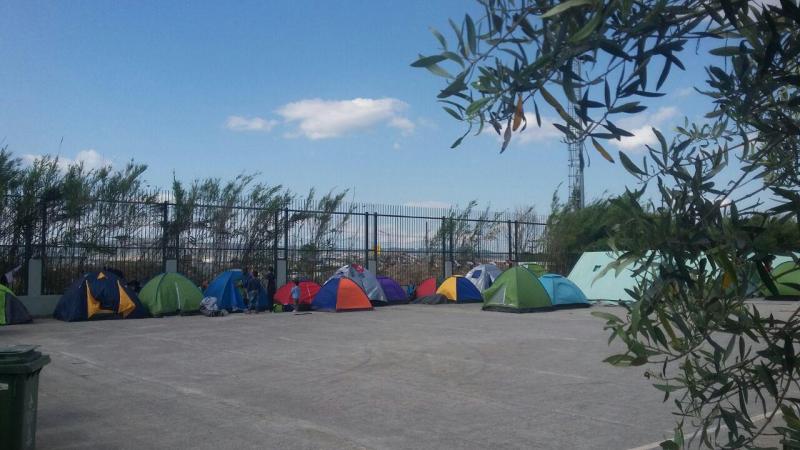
[394, 293]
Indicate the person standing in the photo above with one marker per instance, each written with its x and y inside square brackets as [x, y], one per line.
[296, 295]
[271, 288]
[253, 287]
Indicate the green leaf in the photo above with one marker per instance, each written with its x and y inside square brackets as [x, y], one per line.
[588, 28]
[630, 166]
[455, 87]
[602, 151]
[438, 70]
[765, 377]
[620, 360]
[630, 108]
[564, 6]
[726, 51]
[439, 37]
[472, 41]
[669, 445]
[453, 113]
[607, 316]
[425, 61]
[661, 141]
[477, 105]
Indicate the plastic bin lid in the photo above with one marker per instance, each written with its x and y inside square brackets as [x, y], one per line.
[20, 358]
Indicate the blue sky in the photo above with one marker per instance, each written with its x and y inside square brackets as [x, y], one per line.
[309, 94]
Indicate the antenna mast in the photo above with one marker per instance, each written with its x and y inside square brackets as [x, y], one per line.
[575, 149]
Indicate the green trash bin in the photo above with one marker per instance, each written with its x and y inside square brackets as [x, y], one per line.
[19, 390]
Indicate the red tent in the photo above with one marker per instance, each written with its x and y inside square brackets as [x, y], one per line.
[308, 289]
[425, 288]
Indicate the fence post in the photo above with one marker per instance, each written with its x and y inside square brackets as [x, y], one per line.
[452, 226]
[164, 235]
[43, 231]
[516, 241]
[282, 266]
[366, 239]
[373, 264]
[276, 230]
[443, 230]
[510, 242]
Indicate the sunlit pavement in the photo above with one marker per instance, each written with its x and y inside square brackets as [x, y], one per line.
[410, 376]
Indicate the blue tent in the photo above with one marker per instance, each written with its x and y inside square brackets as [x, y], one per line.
[98, 295]
[460, 290]
[563, 293]
[226, 288]
[341, 294]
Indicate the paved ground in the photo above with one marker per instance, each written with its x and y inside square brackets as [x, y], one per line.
[402, 377]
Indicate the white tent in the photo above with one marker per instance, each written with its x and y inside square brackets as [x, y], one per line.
[483, 276]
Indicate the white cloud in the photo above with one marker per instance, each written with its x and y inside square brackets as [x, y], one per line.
[239, 123]
[684, 92]
[90, 158]
[324, 119]
[402, 124]
[396, 146]
[427, 204]
[641, 126]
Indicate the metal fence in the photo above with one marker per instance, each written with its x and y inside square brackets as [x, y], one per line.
[138, 238]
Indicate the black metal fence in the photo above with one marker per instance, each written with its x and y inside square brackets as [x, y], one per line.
[139, 237]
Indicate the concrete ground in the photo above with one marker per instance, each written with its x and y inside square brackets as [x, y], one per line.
[401, 377]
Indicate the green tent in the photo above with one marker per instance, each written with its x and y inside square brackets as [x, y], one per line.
[536, 268]
[12, 310]
[516, 290]
[170, 293]
[787, 272]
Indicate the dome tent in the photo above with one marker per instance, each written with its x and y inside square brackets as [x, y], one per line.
[392, 289]
[460, 290]
[98, 295]
[308, 289]
[517, 290]
[364, 278]
[483, 276]
[426, 287]
[563, 293]
[12, 311]
[226, 288]
[170, 293]
[341, 294]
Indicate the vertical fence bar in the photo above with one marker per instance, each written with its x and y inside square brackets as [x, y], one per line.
[366, 239]
[443, 230]
[452, 227]
[375, 239]
[164, 235]
[516, 241]
[286, 235]
[510, 242]
[43, 231]
[275, 232]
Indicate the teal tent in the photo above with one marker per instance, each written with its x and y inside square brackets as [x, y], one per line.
[610, 287]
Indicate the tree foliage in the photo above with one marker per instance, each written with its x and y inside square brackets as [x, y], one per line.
[695, 233]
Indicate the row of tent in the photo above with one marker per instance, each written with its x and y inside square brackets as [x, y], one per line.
[523, 288]
[517, 289]
[98, 295]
